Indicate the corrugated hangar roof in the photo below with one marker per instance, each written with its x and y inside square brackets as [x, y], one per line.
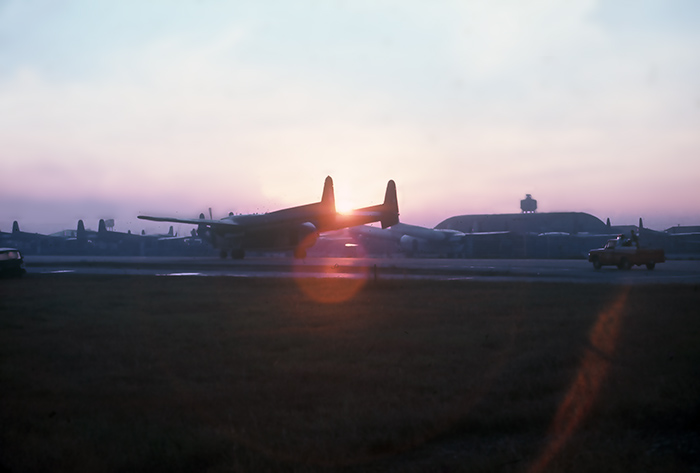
[565, 222]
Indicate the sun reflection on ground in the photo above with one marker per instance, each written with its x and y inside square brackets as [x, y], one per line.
[332, 287]
[329, 284]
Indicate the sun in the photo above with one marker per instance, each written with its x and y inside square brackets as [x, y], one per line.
[343, 206]
[344, 202]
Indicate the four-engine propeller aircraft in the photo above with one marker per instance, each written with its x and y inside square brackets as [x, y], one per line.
[295, 228]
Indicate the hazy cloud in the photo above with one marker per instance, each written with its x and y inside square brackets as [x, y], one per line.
[467, 105]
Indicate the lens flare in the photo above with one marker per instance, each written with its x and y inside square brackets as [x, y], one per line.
[328, 283]
[330, 290]
[590, 376]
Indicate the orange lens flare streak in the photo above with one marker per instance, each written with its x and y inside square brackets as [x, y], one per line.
[330, 290]
[591, 374]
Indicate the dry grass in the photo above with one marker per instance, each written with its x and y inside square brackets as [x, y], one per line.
[125, 373]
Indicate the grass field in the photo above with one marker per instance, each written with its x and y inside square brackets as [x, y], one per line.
[128, 373]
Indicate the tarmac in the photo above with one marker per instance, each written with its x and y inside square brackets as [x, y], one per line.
[576, 271]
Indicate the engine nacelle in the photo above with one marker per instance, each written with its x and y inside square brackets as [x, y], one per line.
[307, 235]
[408, 243]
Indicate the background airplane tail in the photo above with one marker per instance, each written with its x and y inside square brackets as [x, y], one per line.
[80, 232]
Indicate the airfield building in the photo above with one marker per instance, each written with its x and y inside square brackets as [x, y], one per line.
[530, 234]
[527, 222]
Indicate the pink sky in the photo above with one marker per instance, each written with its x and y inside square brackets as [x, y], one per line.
[111, 111]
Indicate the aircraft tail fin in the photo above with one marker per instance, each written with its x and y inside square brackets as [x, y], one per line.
[102, 229]
[328, 197]
[15, 227]
[80, 234]
[390, 210]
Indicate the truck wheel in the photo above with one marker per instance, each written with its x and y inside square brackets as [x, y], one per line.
[651, 265]
[596, 264]
[624, 264]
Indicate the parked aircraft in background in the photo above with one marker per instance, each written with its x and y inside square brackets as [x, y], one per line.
[111, 235]
[295, 228]
[171, 237]
[103, 240]
[414, 239]
[171, 234]
[82, 241]
[18, 234]
[78, 239]
[32, 242]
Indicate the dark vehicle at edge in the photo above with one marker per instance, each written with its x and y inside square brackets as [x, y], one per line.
[11, 263]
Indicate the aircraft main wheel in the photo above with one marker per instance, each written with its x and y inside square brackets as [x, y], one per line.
[651, 265]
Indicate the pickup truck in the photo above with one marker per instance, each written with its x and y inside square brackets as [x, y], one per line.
[624, 257]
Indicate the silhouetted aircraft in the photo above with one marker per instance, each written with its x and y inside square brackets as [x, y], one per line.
[31, 242]
[160, 236]
[413, 239]
[79, 233]
[113, 236]
[294, 228]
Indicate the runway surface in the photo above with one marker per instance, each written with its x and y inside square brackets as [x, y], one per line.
[671, 272]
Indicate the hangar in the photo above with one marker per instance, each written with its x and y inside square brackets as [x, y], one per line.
[554, 222]
[541, 235]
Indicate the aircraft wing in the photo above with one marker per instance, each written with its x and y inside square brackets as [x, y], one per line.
[191, 221]
[175, 238]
